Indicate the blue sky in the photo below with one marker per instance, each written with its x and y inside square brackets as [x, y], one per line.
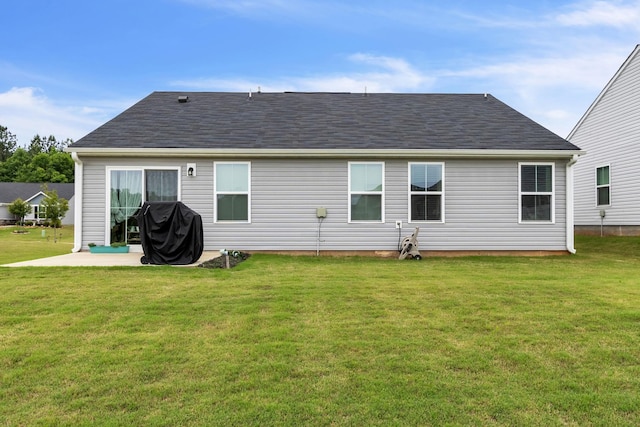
[68, 66]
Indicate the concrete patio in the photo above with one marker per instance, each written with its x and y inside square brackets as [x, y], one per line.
[87, 259]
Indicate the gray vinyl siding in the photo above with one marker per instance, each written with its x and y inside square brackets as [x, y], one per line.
[610, 134]
[93, 203]
[481, 206]
[482, 210]
[4, 213]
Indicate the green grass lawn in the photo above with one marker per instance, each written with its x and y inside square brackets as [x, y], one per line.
[34, 243]
[295, 341]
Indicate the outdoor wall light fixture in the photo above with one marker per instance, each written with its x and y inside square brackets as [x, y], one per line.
[191, 169]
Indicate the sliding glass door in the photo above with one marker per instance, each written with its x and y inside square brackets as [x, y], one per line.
[126, 200]
[129, 189]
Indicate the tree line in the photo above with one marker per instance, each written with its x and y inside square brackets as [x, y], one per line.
[44, 160]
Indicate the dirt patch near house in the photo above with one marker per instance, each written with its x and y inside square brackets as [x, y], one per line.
[235, 258]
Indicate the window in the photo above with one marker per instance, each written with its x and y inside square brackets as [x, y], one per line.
[366, 190]
[603, 186]
[232, 190]
[536, 192]
[129, 189]
[426, 190]
[161, 185]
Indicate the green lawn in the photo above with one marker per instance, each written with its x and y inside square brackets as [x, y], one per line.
[295, 341]
[34, 243]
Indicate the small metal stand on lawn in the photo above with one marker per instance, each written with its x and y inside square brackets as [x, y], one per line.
[409, 246]
[225, 254]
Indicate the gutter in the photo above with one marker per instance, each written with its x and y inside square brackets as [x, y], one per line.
[77, 213]
[570, 205]
[238, 153]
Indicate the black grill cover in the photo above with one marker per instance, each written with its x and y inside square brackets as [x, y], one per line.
[170, 233]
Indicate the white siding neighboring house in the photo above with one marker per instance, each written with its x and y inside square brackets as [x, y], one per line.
[263, 169]
[33, 194]
[607, 179]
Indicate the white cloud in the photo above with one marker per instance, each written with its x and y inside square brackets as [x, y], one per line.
[580, 69]
[382, 74]
[338, 14]
[400, 74]
[553, 90]
[584, 14]
[602, 13]
[26, 112]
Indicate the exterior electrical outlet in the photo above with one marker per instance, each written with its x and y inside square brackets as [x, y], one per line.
[321, 212]
[398, 224]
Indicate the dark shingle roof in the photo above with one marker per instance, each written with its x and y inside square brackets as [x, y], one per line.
[213, 120]
[10, 191]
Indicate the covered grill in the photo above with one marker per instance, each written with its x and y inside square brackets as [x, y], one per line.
[170, 233]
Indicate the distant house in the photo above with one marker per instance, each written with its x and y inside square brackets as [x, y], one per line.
[336, 172]
[607, 191]
[33, 194]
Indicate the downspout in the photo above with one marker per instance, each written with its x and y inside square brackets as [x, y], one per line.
[570, 206]
[77, 214]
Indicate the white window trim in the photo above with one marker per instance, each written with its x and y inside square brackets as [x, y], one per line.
[41, 212]
[552, 193]
[381, 193]
[216, 192]
[434, 193]
[599, 186]
[107, 190]
[36, 212]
